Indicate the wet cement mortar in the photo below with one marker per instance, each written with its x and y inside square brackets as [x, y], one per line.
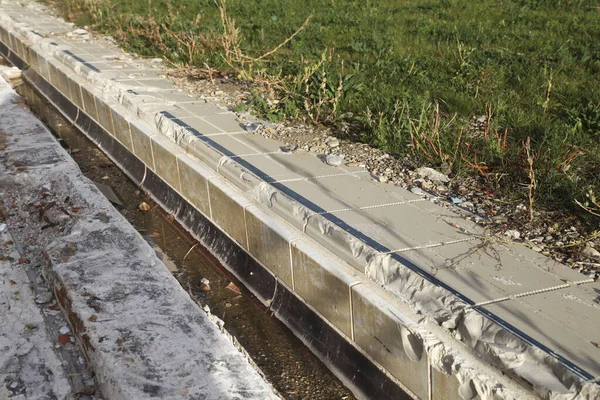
[294, 371]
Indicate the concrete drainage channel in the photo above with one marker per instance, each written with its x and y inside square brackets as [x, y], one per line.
[356, 292]
[286, 362]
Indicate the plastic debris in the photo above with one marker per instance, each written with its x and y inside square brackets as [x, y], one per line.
[333, 160]
[456, 200]
[233, 288]
[204, 285]
[252, 126]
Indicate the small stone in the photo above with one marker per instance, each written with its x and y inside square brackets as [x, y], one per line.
[144, 206]
[417, 190]
[64, 330]
[591, 252]
[64, 339]
[204, 285]
[333, 143]
[432, 174]
[456, 200]
[24, 349]
[537, 249]
[288, 149]
[3, 227]
[333, 160]
[513, 234]
[481, 119]
[80, 31]
[43, 296]
[10, 73]
[382, 179]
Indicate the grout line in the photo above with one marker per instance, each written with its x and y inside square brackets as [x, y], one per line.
[152, 154]
[397, 203]
[352, 309]
[291, 242]
[429, 246]
[533, 292]
[259, 154]
[246, 226]
[220, 133]
[213, 125]
[144, 177]
[178, 174]
[317, 176]
[429, 378]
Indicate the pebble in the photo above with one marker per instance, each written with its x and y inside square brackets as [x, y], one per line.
[427, 185]
[204, 285]
[64, 330]
[333, 160]
[513, 234]
[432, 174]
[288, 149]
[591, 252]
[382, 179]
[333, 143]
[43, 296]
[80, 31]
[417, 190]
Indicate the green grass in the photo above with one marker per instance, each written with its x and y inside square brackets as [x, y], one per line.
[412, 74]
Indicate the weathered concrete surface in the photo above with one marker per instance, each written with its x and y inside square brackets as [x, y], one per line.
[29, 366]
[421, 253]
[142, 334]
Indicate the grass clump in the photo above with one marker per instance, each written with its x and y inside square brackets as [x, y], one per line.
[408, 76]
